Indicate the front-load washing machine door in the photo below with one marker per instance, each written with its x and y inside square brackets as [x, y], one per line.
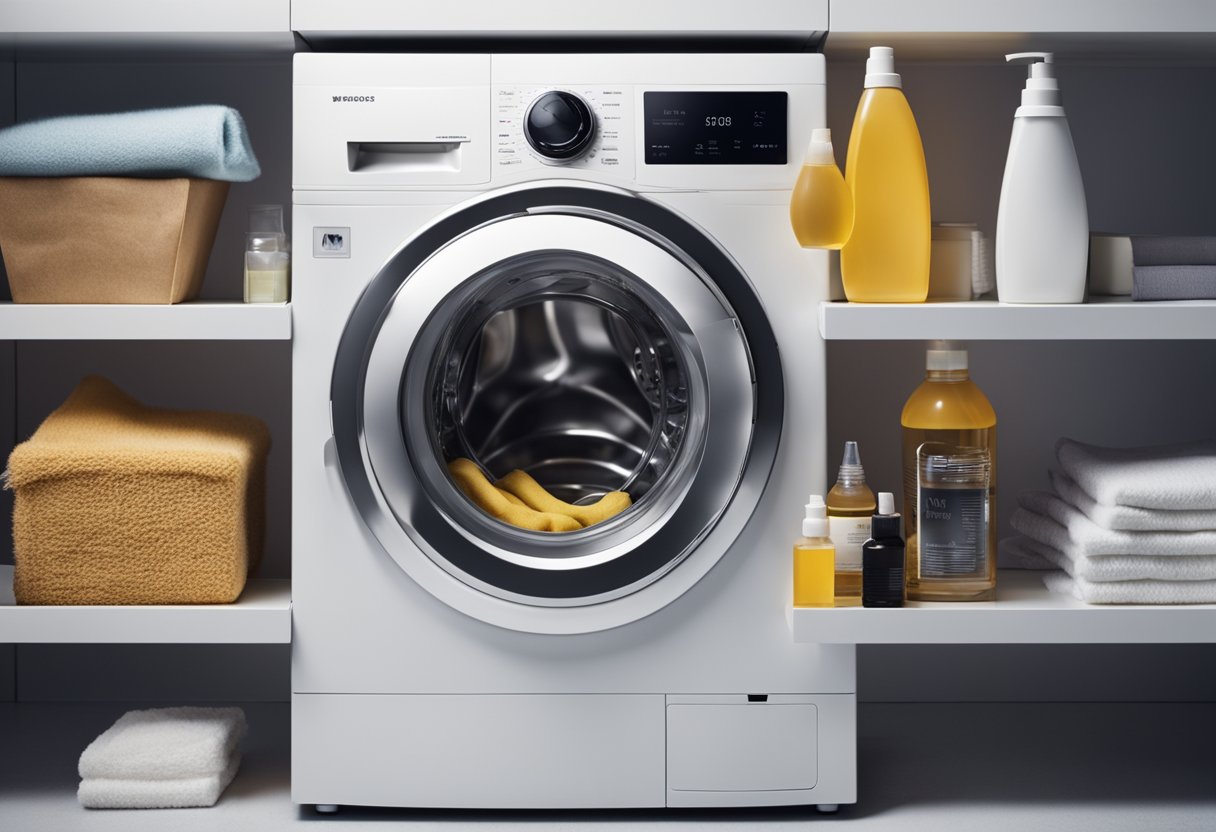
[596, 341]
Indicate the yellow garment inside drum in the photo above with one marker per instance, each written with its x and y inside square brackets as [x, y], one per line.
[522, 501]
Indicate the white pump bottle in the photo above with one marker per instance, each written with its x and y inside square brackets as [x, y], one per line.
[1042, 227]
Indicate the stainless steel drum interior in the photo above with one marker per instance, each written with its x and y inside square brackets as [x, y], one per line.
[558, 366]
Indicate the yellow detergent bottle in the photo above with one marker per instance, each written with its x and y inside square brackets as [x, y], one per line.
[886, 259]
[821, 206]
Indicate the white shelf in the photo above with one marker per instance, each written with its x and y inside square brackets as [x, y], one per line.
[982, 320]
[1169, 31]
[198, 320]
[262, 615]
[224, 26]
[1023, 613]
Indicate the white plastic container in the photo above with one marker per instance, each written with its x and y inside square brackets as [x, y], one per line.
[1042, 227]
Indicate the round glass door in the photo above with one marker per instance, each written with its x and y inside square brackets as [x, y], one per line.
[550, 361]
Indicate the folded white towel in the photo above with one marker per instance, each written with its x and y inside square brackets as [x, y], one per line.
[1028, 554]
[180, 793]
[1132, 592]
[165, 744]
[1051, 521]
[1173, 477]
[1130, 518]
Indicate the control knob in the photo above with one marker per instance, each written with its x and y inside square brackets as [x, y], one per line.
[559, 125]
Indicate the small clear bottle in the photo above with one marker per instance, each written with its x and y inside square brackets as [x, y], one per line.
[266, 266]
[814, 559]
[821, 205]
[850, 507]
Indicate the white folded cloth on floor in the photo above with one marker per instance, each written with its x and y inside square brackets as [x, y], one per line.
[1131, 592]
[177, 793]
[1049, 520]
[1130, 518]
[165, 744]
[1025, 553]
[1172, 477]
[162, 758]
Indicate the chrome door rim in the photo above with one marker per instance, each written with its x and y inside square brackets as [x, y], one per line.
[361, 410]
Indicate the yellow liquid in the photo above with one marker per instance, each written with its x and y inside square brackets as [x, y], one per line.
[886, 260]
[948, 408]
[850, 501]
[814, 572]
[821, 207]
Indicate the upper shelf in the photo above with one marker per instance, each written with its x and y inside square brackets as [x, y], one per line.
[1117, 320]
[195, 321]
[217, 26]
[262, 615]
[1023, 613]
[1162, 30]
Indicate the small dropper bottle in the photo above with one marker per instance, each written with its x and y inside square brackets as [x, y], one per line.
[821, 205]
[814, 559]
[850, 507]
[882, 558]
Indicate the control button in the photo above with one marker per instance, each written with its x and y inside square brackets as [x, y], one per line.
[559, 125]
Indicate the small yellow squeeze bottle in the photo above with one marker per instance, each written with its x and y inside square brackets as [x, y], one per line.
[821, 205]
[815, 559]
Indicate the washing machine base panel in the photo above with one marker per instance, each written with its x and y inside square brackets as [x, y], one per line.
[573, 751]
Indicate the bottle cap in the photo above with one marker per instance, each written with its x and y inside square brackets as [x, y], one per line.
[1042, 88]
[851, 470]
[946, 355]
[819, 149]
[880, 68]
[885, 524]
[264, 241]
[815, 521]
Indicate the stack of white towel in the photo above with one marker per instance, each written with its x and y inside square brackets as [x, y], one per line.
[162, 758]
[1125, 525]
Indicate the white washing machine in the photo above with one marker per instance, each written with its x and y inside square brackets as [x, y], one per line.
[579, 266]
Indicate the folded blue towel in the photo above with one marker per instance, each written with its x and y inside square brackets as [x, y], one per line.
[207, 142]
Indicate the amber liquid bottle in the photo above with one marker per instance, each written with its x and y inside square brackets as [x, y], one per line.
[850, 508]
[950, 423]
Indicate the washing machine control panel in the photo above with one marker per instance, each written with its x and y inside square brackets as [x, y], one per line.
[581, 128]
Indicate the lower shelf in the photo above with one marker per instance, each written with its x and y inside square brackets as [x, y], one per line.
[262, 615]
[1024, 612]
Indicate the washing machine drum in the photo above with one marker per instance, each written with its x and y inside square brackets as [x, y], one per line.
[597, 342]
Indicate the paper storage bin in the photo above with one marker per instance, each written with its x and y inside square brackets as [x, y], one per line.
[118, 503]
[105, 239]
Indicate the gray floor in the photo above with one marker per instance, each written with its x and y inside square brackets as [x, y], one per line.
[923, 767]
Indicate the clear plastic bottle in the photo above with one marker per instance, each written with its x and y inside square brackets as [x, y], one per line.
[821, 206]
[949, 427]
[850, 507]
[887, 256]
[814, 559]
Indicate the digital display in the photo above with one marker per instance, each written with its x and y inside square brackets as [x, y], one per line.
[715, 128]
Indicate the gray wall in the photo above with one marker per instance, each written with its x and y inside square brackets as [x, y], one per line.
[248, 377]
[8, 384]
[1144, 144]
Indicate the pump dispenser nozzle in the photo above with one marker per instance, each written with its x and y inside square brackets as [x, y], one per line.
[1042, 88]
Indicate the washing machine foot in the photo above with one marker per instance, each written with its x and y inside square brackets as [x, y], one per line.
[325, 808]
[825, 808]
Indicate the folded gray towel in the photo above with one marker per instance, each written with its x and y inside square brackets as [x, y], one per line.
[1173, 282]
[206, 142]
[1174, 251]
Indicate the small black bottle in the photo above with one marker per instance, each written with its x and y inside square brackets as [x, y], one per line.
[882, 558]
